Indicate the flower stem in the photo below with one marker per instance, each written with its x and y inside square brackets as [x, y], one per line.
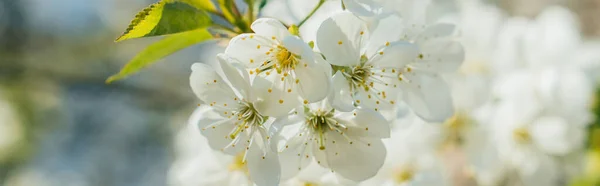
[311, 12]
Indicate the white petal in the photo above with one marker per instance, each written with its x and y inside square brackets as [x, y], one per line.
[264, 169]
[291, 163]
[340, 40]
[293, 156]
[396, 55]
[555, 136]
[272, 97]
[233, 75]
[364, 122]
[314, 84]
[436, 31]
[389, 29]
[341, 96]
[270, 28]
[299, 47]
[363, 7]
[440, 55]
[250, 49]
[428, 95]
[291, 119]
[323, 64]
[216, 129]
[210, 87]
[357, 161]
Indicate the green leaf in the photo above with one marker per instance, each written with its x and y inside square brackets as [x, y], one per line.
[226, 10]
[160, 49]
[207, 5]
[167, 17]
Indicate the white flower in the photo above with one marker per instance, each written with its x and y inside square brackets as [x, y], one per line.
[231, 119]
[439, 53]
[348, 143]
[425, 91]
[283, 59]
[368, 77]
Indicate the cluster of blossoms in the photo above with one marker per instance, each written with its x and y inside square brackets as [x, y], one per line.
[282, 102]
[358, 95]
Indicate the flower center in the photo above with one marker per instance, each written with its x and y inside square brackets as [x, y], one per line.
[404, 175]
[248, 117]
[357, 76]
[319, 122]
[286, 60]
[521, 135]
[238, 164]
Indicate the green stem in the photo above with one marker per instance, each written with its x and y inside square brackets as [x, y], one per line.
[311, 12]
[225, 28]
[250, 11]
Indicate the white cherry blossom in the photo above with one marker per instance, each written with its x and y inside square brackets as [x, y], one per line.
[368, 77]
[231, 118]
[439, 53]
[348, 143]
[285, 61]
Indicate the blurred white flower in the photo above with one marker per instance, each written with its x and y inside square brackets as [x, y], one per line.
[231, 121]
[538, 120]
[285, 61]
[315, 175]
[348, 143]
[364, 77]
[413, 155]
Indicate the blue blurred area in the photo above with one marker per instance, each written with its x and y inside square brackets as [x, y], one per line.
[77, 130]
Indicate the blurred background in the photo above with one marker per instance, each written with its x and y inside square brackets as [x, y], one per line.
[60, 124]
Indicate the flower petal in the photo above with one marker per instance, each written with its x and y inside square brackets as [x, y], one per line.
[270, 28]
[293, 151]
[428, 96]
[365, 122]
[264, 168]
[215, 128]
[363, 7]
[341, 37]
[283, 121]
[554, 136]
[356, 160]
[272, 97]
[388, 29]
[299, 47]
[437, 31]
[210, 87]
[395, 55]
[250, 49]
[314, 84]
[341, 96]
[233, 75]
[440, 55]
